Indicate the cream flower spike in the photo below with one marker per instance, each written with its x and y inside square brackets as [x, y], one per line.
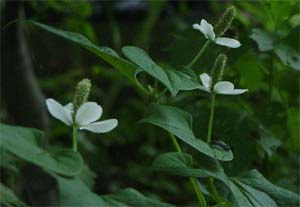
[85, 118]
[208, 31]
[221, 87]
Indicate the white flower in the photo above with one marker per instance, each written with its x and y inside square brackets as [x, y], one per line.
[208, 31]
[221, 87]
[85, 117]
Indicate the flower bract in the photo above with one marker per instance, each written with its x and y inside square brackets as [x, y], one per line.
[208, 31]
[85, 118]
[221, 87]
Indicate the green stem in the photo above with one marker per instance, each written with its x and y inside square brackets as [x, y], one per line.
[175, 143]
[214, 191]
[201, 51]
[211, 116]
[193, 181]
[75, 138]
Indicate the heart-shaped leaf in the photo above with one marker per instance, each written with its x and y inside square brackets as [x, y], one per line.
[251, 189]
[179, 123]
[22, 142]
[174, 80]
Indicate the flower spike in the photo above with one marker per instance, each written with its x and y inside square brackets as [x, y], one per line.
[225, 21]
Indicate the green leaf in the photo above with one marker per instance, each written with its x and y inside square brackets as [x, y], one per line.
[281, 196]
[8, 161]
[175, 163]
[263, 39]
[179, 123]
[8, 198]
[182, 80]
[105, 53]
[293, 125]
[251, 189]
[267, 141]
[295, 20]
[73, 192]
[288, 55]
[131, 197]
[250, 72]
[281, 10]
[174, 80]
[21, 142]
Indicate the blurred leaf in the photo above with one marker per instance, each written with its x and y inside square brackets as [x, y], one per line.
[88, 176]
[268, 142]
[21, 142]
[8, 161]
[73, 192]
[172, 79]
[263, 39]
[293, 125]
[251, 189]
[8, 198]
[288, 55]
[105, 53]
[223, 204]
[295, 20]
[179, 123]
[131, 197]
[155, 9]
[250, 72]
[280, 10]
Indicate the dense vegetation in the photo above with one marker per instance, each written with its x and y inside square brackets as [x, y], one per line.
[173, 131]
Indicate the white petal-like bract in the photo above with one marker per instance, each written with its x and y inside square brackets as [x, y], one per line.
[197, 27]
[88, 113]
[228, 42]
[238, 91]
[101, 126]
[205, 79]
[206, 29]
[60, 112]
[223, 87]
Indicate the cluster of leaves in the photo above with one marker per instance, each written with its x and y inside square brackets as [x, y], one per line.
[247, 189]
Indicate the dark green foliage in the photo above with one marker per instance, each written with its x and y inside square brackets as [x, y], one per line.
[257, 130]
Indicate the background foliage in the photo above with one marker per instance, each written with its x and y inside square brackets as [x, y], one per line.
[262, 127]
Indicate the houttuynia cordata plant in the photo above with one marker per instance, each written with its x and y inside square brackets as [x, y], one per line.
[211, 141]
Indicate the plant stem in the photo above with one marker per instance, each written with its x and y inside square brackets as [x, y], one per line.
[214, 191]
[175, 143]
[193, 181]
[211, 116]
[201, 51]
[75, 138]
